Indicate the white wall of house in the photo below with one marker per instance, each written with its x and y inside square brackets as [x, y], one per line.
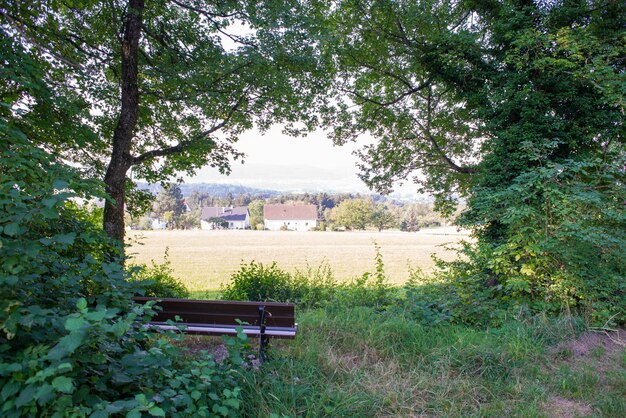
[158, 224]
[292, 224]
[207, 226]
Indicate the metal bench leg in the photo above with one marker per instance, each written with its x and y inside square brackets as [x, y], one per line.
[264, 339]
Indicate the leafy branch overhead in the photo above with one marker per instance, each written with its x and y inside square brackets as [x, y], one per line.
[168, 86]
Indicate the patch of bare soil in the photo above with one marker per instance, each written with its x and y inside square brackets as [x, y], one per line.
[597, 349]
[194, 345]
[591, 342]
[558, 407]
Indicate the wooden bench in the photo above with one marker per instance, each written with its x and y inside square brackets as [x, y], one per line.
[219, 317]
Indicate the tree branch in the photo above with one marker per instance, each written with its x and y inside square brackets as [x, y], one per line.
[163, 152]
[442, 154]
[391, 102]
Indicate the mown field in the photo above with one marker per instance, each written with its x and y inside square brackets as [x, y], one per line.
[204, 260]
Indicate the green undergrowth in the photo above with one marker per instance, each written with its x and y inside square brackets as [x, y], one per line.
[356, 361]
[366, 348]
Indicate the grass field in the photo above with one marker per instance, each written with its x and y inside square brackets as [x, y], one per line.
[204, 260]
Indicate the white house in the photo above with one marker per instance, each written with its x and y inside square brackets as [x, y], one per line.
[237, 217]
[159, 224]
[291, 217]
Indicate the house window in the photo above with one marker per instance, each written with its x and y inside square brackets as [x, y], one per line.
[306, 224]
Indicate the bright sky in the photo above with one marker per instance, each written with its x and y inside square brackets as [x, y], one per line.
[279, 162]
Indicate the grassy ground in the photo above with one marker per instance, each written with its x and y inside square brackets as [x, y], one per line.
[204, 260]
[355, 362]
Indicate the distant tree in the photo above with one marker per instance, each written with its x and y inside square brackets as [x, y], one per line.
[194, 200]
[353, 213]
[168, 217]
[144, 223]
[383, 217]
[256, 212]
[189, 220]
[217, 222]
[169, 199]
[242, 199]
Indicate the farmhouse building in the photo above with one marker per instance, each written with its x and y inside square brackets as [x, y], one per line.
[291, 217]
[236, 217]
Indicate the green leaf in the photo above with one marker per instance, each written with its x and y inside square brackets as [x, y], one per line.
[64, 367]
[155, 411]
[73, 323]
[60, 184]
[12, 229]
[135, 413]
[67, 239]
[10, 389]
[81, 304]
[96, 315]
[63, 384]
[67, 345]
[119, 328]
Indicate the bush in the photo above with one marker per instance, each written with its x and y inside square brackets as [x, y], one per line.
[71, 341]
[157, 280]
[257, 282]
[369, 289]
[310, 287]
[313, 287]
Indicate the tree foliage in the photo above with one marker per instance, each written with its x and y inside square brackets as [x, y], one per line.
[170, 199]
[168, 85]
[256, 212]
[498, 102]
[353, 214]
[72, 343]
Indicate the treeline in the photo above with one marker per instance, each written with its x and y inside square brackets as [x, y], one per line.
[336, 211]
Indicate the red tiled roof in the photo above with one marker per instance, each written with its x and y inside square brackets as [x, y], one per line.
[290, 212]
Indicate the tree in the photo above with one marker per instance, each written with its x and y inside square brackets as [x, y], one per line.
[170, 199]
[498, 102]
[353, 213]
[218, 223]
[256, 212]
[167, 85]
[382, 217]
[189, 220]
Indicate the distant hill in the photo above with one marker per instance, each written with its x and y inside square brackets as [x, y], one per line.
[214, 189]
[221, 190]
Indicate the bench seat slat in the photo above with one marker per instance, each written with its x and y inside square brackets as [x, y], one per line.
[221, 317]
[216, 318]
[275, 332]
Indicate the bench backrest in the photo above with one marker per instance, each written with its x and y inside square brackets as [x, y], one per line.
[220, 312]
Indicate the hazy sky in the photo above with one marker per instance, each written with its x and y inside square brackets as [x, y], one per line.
[277, 161]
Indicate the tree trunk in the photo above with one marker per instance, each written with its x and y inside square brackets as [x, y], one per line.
[121, 159]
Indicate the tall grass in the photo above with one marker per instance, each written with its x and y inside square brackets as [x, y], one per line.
[359, 362]
[366, 348]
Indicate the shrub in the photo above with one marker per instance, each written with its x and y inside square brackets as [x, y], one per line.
[258, 282]
[157, 280]
[563, 247]
[425, 300]
[71, 341]
[369, 289]
[312, 287]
